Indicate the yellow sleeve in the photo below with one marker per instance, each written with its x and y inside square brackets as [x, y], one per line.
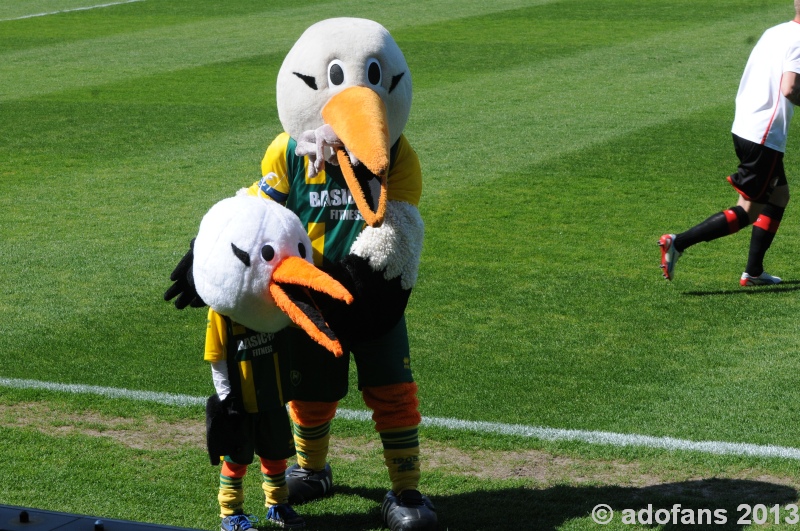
[274, 183]
[216, 337]
[405, 175]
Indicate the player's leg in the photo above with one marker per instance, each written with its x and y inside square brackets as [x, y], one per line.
[764, 229]
[754, 180]
[719, 225]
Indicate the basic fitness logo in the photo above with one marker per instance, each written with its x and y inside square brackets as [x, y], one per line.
[338, 197]
[257, 344]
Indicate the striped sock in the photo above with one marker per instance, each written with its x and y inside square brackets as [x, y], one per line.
[401, 455]
[273, 474]
[231, 493]
[311, 444]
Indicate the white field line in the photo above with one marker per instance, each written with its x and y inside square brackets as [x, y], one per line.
[518, 430]
[72, 9]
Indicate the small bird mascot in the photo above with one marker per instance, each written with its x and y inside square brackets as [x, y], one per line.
[252, 265]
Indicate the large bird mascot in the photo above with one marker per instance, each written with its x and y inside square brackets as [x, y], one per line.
[345, 168]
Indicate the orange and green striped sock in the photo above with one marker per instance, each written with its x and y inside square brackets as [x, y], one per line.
[273, 473]
[231, 493]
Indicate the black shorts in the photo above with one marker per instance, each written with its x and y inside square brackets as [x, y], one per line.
[317, 376]
[267, 434]
[760, 170]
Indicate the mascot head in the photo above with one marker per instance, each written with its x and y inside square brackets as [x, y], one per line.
[350, 74]
[252, 263]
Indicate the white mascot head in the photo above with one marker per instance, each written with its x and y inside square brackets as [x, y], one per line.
[336, 54]
[252, 263]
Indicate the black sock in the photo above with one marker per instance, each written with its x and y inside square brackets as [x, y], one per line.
[720, 224]
[764, 230]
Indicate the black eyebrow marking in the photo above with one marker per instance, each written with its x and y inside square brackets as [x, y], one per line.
[395, 80]
[241, 255]
[309, 80]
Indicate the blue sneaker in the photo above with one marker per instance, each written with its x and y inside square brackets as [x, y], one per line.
[237, 522]
[284, 516]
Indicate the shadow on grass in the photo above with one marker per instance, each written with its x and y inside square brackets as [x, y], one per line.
[783, 287]
[547, 509]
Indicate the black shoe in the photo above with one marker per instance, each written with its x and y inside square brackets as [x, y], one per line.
[410, 511]
[308, 485]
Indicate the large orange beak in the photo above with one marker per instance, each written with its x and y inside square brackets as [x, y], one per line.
[358, 117]
[289, 287]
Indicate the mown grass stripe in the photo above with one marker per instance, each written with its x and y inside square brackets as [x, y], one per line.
[670, 68]
[94, 62]
[85, 8]
[497, 428]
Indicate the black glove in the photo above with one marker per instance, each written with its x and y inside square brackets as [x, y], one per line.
[224, 427]
[378, 304]
[183, 283]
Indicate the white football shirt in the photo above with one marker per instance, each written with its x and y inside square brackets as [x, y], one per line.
[762, 112]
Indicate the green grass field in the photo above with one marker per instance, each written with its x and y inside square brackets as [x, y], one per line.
[558, 140]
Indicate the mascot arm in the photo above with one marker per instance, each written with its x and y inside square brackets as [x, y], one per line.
[182, 288]
[380, 272]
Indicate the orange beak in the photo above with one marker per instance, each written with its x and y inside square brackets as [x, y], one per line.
[358, 117]
[292, 283]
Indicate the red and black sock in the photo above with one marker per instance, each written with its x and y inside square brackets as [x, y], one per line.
[720, 224]
[764, 230]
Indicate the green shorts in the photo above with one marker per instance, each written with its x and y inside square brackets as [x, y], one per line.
[317, 375]
[267, 434]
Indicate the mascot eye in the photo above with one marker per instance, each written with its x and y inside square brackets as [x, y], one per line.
[395, 80]
[374, 72]
[308, 80]
[301, 249]
[241, 255]
[267, 252]
[335, 73]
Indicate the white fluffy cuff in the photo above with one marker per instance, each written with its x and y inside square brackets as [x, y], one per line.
[396, 245]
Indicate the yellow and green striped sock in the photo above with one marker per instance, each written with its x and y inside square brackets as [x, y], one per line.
[401, 455]
[231, 495]
[311, 444]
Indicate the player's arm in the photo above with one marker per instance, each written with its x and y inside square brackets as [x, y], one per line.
[790, 86]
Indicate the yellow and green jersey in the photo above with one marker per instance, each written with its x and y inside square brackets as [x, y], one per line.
[323, 203]
[261, 362]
